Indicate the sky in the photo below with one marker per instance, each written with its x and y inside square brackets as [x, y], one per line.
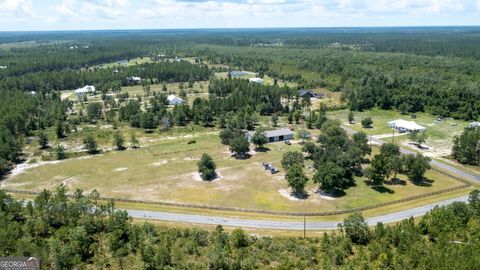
[33, 15]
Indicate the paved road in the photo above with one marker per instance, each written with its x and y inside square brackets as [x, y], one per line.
[299, 225]
[283, 225]
[436, 163]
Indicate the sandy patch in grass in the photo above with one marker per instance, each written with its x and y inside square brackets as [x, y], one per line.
[159, 163]
[196, 177]
[69, 180]
[120, 169]
[20, 168]
[322, 194]
[65, 95]
[165, 138]
[285, 193]
[389, 135]
[191, 158]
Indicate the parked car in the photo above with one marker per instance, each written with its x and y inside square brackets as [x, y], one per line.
[273, 170]
[288, 142]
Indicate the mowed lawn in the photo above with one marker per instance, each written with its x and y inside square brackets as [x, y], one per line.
[167, 171]
[267, 80]
[199, 89]
[440, 134]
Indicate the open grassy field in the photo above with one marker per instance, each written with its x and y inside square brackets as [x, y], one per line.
[267, 80]
[199, 89]
[131, 62]
[166, 171]
[331, 98]
[440, 133]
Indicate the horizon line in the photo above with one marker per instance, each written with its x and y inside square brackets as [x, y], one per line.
[244, 28]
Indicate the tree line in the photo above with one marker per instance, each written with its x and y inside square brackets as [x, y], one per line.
[106, 78]
[71, 229]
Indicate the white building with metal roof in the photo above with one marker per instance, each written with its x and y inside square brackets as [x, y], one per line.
[276, 135]
[85, 90]
[174, 100]
[405, 126]
[256, 80]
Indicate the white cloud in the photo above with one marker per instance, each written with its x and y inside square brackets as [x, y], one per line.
[234, 13]
[399, 6]
[66, 8]
[16, 6]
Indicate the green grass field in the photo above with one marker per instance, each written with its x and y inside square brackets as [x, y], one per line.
[199, 89]
[166, 171]
[267, 80]
[440, 133]
[131, 62]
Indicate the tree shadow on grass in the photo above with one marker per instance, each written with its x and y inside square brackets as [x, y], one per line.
[396, 181]
[262, 149]
[337, 193]
[383, 189]
[300, 195]
[425, 182]
[8, 171]
[242, 157]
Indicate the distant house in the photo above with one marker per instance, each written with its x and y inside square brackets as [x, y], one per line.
[405, 126]
[236, 74]
[133, 79]
[309, 93]
[256, 80]
[3, 67]
[474, 125]
[277, 135]
[174, 100]
[85, 90]
[123, 62]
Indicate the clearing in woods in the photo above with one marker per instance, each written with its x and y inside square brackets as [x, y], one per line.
[167, 171]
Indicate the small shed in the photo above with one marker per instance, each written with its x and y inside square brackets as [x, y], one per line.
[256, 80]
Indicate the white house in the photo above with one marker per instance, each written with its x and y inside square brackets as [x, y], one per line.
[174, 100]
[256, 80]
[405, 126]
[474, 125]
[85, 90]
[133, 79]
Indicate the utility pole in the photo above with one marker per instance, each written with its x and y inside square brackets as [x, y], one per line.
[304, 225]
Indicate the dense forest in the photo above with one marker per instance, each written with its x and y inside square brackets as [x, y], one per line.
[83, 232]
[412, 69]
[436, 70]
[442, 86]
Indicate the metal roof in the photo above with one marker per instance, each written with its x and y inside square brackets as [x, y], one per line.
[278, 132]
[409, 125]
